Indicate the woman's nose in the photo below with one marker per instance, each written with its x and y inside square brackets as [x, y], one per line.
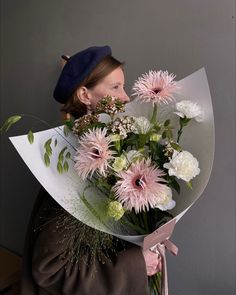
[125, 98]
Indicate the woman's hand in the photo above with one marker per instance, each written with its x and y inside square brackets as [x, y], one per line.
[153, 262]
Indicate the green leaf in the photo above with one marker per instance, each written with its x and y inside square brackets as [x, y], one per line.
[117, 145]
[156, 127]
[189, 184]
[30, 137]
[169, 134]
[69, 123]
[175, 185]
[46, 159]
[66, 166]
[61, 154]
[47, 146]
[176, 146]
[68, 154]
[184, 121]
[66, 130]
[167, 122]
[9, 122]
[59, 168]
[164, 135]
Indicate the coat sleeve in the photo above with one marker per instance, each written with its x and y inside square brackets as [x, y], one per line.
[54, 272]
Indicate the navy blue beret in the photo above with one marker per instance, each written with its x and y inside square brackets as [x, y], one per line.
[77, 68]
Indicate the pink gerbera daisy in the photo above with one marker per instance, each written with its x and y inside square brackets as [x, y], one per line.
[139, 187]
[93, 153]
[156, 87]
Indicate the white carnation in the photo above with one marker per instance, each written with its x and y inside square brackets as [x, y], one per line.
[189, 109]
[141, 125]
[183, 165]
[166, 202]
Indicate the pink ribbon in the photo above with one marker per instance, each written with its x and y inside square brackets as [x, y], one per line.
[159, 240]
[161, 247]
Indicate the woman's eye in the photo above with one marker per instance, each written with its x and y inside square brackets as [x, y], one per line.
[116, 87]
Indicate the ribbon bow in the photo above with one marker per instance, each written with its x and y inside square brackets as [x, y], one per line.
[159, 240]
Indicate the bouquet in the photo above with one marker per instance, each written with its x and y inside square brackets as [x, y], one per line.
[130, 171]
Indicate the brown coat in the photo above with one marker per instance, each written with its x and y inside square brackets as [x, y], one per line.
[46, 272]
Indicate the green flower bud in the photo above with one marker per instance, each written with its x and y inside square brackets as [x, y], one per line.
[155, 137]
[115, 210]
[115, 137]
[119, 163]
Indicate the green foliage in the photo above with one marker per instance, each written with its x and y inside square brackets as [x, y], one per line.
[68, 155]
[47, 146]
[174, 184]
[62, 164]
[46, 159]
[167, 123]
[66, 130]
[9, 122]
[130, 141]
[59, 168]
[164, 134]
[167, 130]
[30, 137]
[176, 146]
[184, 121]
[48, 152]
[156, 127]
[65, 166]
[157, 151]
[68, 123]
[189, 184]
[61, 154]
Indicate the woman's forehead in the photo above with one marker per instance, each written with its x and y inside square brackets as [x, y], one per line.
[116, 76]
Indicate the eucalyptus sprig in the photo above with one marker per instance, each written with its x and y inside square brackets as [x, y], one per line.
[62, 164]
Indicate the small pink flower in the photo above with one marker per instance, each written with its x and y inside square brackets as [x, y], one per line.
[139, 187]
[156, 87]
[93, 153]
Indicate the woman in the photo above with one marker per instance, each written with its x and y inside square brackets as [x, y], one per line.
[62, 255]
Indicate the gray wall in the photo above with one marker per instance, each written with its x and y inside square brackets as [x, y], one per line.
[181, 36]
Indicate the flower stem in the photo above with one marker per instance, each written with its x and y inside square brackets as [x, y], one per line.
[155, 284]
[182, 122]
[154, 114]
[145, 221]
[133, 226]
[180, 131]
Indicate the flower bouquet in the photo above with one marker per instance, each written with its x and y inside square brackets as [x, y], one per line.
[131, 172]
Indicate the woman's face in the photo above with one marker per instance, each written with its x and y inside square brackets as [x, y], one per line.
[112, 85]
